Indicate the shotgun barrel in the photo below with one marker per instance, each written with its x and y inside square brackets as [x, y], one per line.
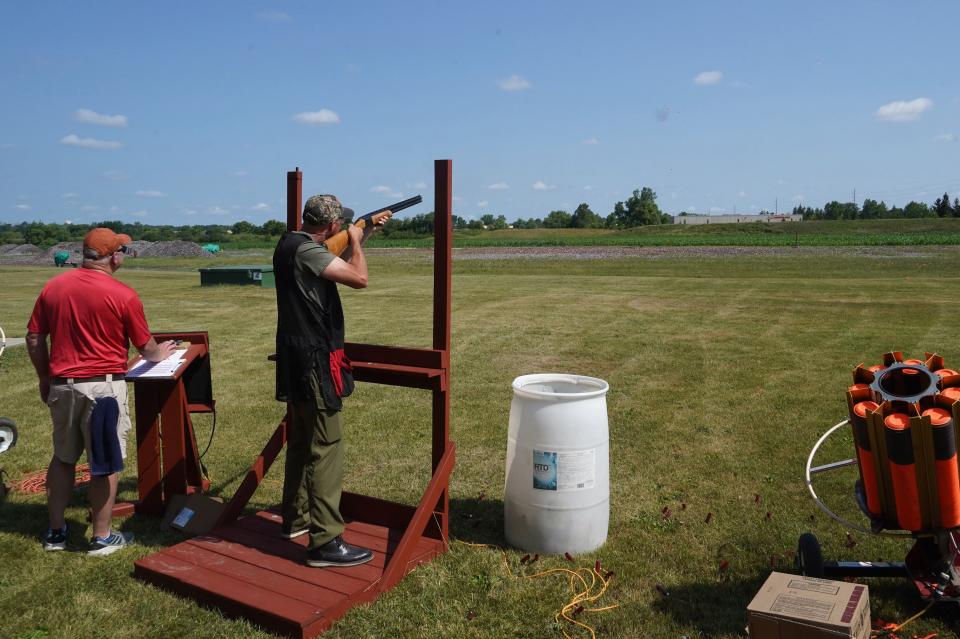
[395, 207]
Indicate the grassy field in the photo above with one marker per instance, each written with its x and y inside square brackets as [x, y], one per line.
[723, 372]
[913, 232]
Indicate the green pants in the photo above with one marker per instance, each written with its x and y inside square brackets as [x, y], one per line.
[313, 479]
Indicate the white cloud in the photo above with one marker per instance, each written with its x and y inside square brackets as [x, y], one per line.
[89, 207]
[89, 143]
[323, 116]
[68, 196]
[499, 186]
[420, 185]
[692, 209]
[591, 141]
[140, 213]
[514, 83]
[217, 210]
[241, 173]
[68, 221]
[540, 185]
[115, 174]
[262, 206]
[482, 203]
[903, 110]
[947, 137]
[274, 16]
[151, 194]
[22, 207]
[716, 209]
[798, 198]
[708, 77]
[386, 191]
[114, 208]
[92, 117]
[742, 193]
[6, 145]
[588, 188]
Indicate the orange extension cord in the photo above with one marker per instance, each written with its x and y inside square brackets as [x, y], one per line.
[36, 482]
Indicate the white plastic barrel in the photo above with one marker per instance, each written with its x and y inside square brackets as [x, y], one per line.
[557, 487]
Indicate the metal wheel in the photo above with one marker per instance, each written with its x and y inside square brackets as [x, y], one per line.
[809, 556]
[8, 434]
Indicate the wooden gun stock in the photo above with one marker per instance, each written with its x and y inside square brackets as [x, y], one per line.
[339, 242]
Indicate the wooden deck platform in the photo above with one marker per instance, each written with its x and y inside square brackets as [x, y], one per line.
[246, 569]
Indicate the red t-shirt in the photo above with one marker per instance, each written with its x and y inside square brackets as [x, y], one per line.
[89, 316]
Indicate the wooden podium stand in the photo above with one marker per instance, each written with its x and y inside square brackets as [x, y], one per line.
[246, 569]
[168, 462]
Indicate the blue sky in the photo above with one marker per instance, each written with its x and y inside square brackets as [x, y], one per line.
[191, 113]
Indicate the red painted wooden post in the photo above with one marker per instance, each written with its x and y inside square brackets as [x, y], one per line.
[442, 289]
[294, 197]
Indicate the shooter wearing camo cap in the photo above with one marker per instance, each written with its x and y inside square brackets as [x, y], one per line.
[314, 375]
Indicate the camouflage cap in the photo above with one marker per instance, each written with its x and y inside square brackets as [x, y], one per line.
[320, 210]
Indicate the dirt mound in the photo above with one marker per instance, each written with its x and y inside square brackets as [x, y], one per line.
[137, 247]
[24, 249]
[176, 248]
[75, 249]
[7, 247]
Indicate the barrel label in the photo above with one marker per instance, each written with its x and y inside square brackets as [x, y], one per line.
[564, 470]
[544, 470]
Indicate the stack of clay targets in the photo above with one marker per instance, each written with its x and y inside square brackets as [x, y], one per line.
[904, 414]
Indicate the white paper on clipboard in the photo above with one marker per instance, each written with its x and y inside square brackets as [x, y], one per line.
[144, 369]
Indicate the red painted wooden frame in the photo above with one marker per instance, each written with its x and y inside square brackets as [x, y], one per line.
[244, 567]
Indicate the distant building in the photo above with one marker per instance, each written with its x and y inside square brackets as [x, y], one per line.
[735, 219]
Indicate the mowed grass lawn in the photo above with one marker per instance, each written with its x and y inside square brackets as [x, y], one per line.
[723, 372]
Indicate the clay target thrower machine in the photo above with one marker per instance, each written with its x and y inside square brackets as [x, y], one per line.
[903, 415]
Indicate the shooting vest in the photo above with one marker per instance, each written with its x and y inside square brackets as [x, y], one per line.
[309, 335]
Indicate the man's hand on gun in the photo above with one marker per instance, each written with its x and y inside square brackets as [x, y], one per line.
[378, 221]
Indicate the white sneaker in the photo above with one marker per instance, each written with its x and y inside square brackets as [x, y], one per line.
[100, 547]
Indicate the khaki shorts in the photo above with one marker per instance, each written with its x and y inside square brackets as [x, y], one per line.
[70, 408]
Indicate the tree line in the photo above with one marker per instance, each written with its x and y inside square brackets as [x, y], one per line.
[873, 210]
[639, 209]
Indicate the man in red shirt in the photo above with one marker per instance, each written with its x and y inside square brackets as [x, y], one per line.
[90, 318]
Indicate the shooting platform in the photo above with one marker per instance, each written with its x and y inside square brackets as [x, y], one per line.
[246, 569]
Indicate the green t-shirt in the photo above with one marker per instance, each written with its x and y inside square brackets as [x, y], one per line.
[311, 260]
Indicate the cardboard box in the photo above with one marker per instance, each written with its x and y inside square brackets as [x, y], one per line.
[195, 514]
[796, 607]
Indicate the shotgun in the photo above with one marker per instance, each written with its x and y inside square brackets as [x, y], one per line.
[339, 242]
